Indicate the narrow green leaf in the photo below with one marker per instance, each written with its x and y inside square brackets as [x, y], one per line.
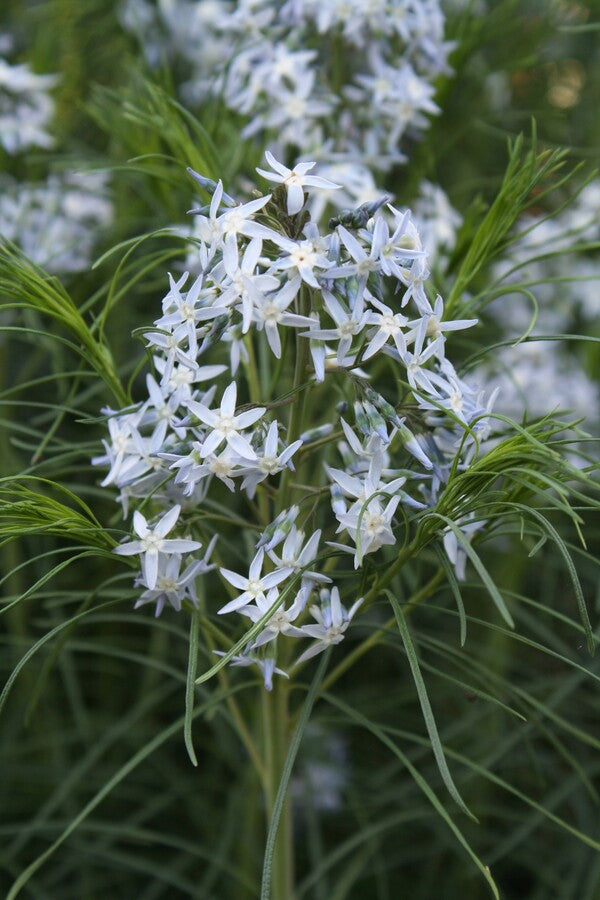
[581, 604]
[495, 779]
[428, 716]
[453, 582]
[190, 687]
[39, 644]
[342, 850]
[48, 576]
[480, 568]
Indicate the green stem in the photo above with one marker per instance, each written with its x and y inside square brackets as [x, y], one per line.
[237, 717]
[251, 370]
[276, 728]
[298, 407]
[384, 580]
[256, 396]
[242, 730]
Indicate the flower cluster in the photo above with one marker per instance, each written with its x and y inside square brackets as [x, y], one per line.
[556, 259]
[559, 255]
[436, 219]
[331, 308]
[56, 222]
[308, 76]
[26, 106]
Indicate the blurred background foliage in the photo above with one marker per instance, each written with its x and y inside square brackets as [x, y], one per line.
[96, 775]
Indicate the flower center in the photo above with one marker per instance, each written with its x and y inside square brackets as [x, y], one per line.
[121, 443]
[220, 468]
[271, 313]
[367, 265]
[233, 221]
[279, 621]
[254, 588]
[456, 402]
[168, 585]
[188, 312]
[389, 324]
[374, 523]
[347, 328]
[405, 242]
[238, 281]
[225, 424]
[296, 109]
[181, 376]
[269, 464]
[433, 326]
[152, 542]
[335, 634]
[303, 256]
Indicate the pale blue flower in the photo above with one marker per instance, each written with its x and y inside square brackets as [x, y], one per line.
[153, 541]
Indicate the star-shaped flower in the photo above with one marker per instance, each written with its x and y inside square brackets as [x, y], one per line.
[255, 587]
[153, 541]
[295, 180]
[332, 621]
[225, 425]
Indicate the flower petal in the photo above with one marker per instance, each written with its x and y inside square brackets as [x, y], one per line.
[295, 199]
[164, 525]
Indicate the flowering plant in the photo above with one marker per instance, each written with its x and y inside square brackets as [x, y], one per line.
[272, 286]
[347, 442]
[335, 635]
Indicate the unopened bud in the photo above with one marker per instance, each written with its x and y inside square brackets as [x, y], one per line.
[376, 421]
[315, 434]
[414, 447]
[210, 187]
[278, 529]
[357, 218]
[360, 417]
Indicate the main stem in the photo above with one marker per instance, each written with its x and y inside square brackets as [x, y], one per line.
[275, 708]
[298, 406]
[276, 726]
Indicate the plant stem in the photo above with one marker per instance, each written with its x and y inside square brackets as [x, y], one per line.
[236, 714]
[382, 581]
[297, 408]
[257, 397]
[276, 728]
[251, 370]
